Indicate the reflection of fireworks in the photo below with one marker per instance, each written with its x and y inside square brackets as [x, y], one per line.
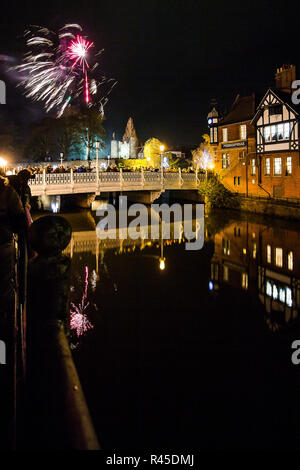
[79, 320]
[57, 69]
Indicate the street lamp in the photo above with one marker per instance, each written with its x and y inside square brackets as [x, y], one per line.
[97, 144]
[3, 164]
[162, 148]
[61, 158]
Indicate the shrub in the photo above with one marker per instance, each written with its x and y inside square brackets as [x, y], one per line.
[217, 195]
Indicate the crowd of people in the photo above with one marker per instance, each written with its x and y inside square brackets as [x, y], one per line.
[87, 169]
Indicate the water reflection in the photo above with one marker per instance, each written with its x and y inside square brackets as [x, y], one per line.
[197, 352]
[262, 260]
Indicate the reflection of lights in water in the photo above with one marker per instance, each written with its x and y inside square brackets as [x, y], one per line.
[162, 264]
[211, 285]
[78, 319]
[93, 280]
[54, 207]
[283, 294]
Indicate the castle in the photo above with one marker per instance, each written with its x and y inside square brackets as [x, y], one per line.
[128, 147]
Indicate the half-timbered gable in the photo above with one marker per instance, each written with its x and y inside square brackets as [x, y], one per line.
[276, 123]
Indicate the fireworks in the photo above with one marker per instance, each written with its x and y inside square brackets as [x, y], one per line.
[60, 68]
[78, 318]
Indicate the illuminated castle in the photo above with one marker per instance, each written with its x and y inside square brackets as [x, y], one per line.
[129, 146]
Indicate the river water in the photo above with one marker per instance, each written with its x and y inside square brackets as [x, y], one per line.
[195, 355]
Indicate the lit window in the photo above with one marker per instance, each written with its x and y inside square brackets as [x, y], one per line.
[277, 166]
[282, 294]
[225, 160]
[278, 257]
[254, 250]
[267, 166]
[269, 254]
[280, 131]
[269, 288]
[288, 165]
[245, 281]
[275, 292]
[226, 273]
[267, 133]
[211, 135]
[289, 299]
[243, 132]
[290, 260]
[273, 133]
[226, 246]
[253, 168]
[225, 134]
[215, 134]
[286, 133]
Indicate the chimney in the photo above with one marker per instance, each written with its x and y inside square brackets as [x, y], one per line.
[284, 77]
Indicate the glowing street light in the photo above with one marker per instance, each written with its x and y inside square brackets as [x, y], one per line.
[3, 164]
[162, 263]
[162, 148]
[97, 144]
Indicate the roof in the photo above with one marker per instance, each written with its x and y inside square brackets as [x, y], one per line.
[242, 109]
[282, 96]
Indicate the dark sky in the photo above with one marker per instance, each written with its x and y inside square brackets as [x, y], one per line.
[171, 57]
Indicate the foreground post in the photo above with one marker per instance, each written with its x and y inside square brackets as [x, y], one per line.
[56, 407]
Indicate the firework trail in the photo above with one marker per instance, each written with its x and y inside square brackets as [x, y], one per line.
[78, 319]
[59, 68]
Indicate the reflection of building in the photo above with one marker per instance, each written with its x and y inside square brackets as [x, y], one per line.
[261, 261]
[128, 148]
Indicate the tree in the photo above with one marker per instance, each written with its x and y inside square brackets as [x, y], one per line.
[203, 155]
[67, 133]
[152, 152]
[91, 129]
[40, 142]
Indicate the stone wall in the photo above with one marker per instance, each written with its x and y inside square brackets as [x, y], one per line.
[271, 208]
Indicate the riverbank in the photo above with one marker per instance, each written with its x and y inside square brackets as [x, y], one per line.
[270, 207]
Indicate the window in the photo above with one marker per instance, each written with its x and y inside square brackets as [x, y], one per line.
[243, 132]
[226, 273]
[211, 135]
[225, 134]
[286, 132]
[226, 246]
[254, 251]
[277, 166]
[277, 109]
[225, 160]
[288, 165]
[267, 166]
[215, 134]
[242, 155]
[267, 133]
[277, 132]
[253, 168]
[269, 254]
[245, 281]
[290, 260]
[280, 131]
[236, 180]
[278, 257]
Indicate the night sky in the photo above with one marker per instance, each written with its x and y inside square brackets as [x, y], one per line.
[170, 57]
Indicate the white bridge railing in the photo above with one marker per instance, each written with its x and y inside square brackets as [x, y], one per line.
[68, 183]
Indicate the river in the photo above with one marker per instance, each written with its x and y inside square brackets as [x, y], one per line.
[196, 355]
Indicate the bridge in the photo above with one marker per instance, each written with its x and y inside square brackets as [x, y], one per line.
[51, 184]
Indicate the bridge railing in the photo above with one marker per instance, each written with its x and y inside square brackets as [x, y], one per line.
[117, 180]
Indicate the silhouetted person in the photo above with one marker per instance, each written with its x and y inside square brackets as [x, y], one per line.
[12, 220]
[20, 183]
